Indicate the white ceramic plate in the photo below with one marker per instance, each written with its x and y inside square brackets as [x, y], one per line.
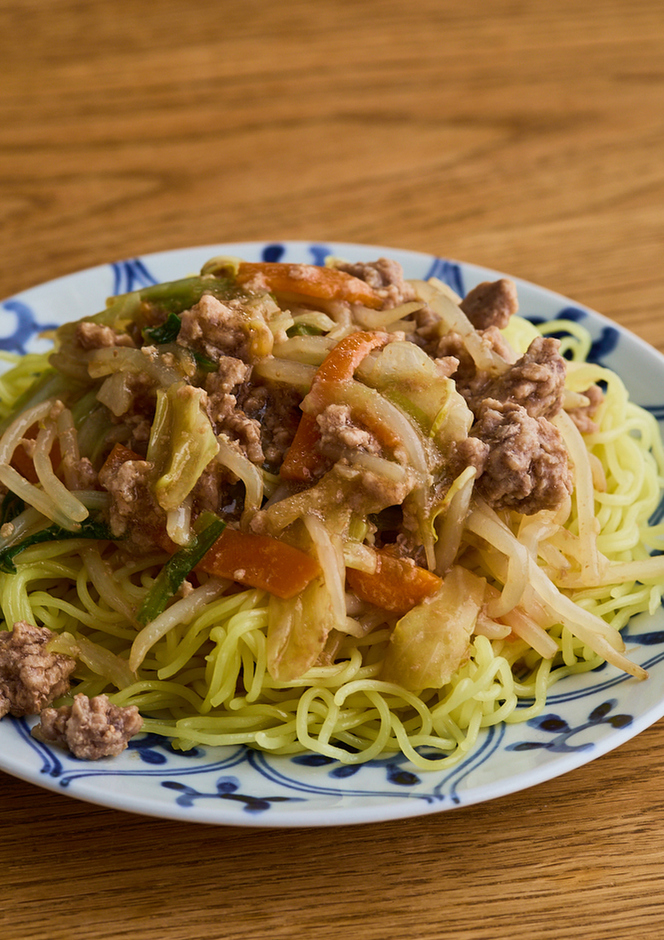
[586, 716]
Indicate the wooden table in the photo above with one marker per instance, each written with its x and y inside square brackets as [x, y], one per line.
[527, 137]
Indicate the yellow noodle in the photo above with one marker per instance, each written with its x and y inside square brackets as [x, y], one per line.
[202, 678]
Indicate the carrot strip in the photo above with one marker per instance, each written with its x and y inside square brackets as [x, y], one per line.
[119, 455]
[344, 358]
[302, 460]
[309, 280]
[260, 561]
[23, 463]
[395, 585]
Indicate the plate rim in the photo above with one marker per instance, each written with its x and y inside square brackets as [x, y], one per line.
[358, 813]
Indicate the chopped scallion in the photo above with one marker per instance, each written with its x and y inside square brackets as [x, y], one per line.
[88, 529]
[176, 570]
[166, 332]
[304, 329]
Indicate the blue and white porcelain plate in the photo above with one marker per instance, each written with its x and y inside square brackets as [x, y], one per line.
[586, 715]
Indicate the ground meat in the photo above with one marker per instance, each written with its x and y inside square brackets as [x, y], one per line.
[140, 428]
[526, 466]
[370, 493]
[344, 485]
[277, 410]
[583, 417]
[405, 543]
[134, 512]
[230, 375]
[426, 329]
[451, 346]
[215, 329]
[218, 491]
[497, 342]
[223, 409]
[447, 366]
[536, 381]
[141, 395]
[90, 728]
[468, 452]
[96, 336]
[339, 433]
[385, 276]
[491, 303]
[470, 381]
[30, 677]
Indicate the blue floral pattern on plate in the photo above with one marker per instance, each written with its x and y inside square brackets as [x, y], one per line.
[585, 715]
[21, 325]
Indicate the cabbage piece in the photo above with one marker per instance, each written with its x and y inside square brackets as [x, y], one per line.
[286, 372]
[231, 456]
[98, 659]
[297, 631]
[116, 393]
[307, 348]
[222, 266]
[184, 432]
[448, 519]
[309, 322]
[431, 641]
[328, 545]
[145, 361]
[408, 377]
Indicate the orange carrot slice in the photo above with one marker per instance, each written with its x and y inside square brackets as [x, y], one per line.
[302, 460]
[23, 463]
[119, 455]
[308, 280]
[260, 561]
[344, 358]
[396, 585]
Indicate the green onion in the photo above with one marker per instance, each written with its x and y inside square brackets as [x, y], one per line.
[304, 329]
[178, 567]
[176, 296]
[54, 533]
[167, 332]
[203, 363]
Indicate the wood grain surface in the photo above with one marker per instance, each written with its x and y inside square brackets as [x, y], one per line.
[525, 135]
